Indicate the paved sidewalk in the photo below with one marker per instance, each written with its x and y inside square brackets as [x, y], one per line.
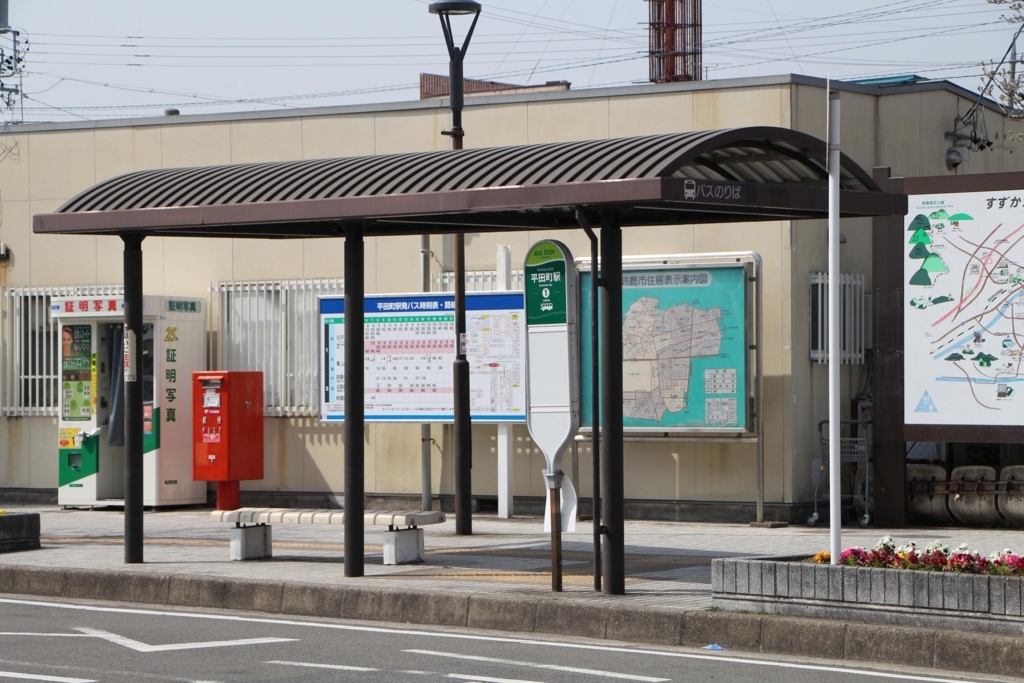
[668, 564]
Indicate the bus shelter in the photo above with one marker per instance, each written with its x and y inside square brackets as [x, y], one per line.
[726, 176]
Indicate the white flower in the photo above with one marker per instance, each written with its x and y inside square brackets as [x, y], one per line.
[907, 549]
[885, 543]
[962, 548]
[937, 546]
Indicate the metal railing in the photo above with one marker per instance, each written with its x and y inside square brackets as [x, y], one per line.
[477, 281]
[854, 318]
[272, 326]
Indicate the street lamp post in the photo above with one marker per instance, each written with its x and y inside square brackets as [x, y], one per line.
[463, 433]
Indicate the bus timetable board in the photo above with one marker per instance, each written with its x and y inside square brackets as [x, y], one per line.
[409, 351]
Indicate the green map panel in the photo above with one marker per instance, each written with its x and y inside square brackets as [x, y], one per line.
[684, 348]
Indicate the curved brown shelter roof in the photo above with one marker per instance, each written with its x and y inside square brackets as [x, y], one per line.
[711, 176]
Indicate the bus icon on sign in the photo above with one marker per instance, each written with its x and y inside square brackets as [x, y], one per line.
[690, 189]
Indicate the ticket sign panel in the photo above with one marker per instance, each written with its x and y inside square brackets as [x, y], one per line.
[409, 349]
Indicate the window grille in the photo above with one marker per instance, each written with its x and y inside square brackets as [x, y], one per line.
[478, 281]
[854, 318]
[272, 326]
[31, 348]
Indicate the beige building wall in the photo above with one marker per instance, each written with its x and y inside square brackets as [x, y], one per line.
[51, 164]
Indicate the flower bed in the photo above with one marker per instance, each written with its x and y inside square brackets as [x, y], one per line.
[934, 558]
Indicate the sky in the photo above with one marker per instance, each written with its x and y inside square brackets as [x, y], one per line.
[106, 59]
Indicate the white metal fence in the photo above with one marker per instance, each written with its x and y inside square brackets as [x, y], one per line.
[272, 326]
[31, 348]
[478, 281]
[854, 317]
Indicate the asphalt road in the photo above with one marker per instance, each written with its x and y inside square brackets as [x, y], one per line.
[76, 642]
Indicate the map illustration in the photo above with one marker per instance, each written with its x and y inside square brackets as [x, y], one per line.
[964, 316]
[657, 348]
[683, 348]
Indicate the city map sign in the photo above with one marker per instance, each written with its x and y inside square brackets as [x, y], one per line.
[685, 351]
[963, 311]
[409, 342]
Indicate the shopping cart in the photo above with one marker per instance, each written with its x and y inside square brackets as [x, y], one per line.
[854, 450]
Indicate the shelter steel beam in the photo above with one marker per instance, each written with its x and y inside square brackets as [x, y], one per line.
[354, 385]
[133, 478]
[612, 490]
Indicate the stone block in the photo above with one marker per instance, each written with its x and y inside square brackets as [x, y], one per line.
[1011, 594]
[6, 578]
[502, 613]
[258, 596]
[835, 583]
[906, 581]
[890, 645]
[39, 581]
[984, 653]
[996, 590]
[403, 546]
[920, 589]
[807, 581]
[754, 575]
[437, 609]
[742, 577]
[571, 619]
[728, 576]
[979, 585]
[150, 589]
[196, 591]
[251, 542]
[768, 578]
[19, 530]
[965, 592]
[821, 581]
[649, 626]
[717, 576]
[802, 637]
[372, 604]
[312, 600]
[731, 631]
[849, 584]
[891, 577]
[951, 591]
[877, 587]
[782, 570]
[935, 590]
[86, 584]
[863, 584]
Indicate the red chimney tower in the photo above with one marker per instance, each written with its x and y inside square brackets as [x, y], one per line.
[675, 52]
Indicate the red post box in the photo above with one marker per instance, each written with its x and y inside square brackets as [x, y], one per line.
[227, 431]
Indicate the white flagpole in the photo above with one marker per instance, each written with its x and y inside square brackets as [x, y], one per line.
[834, 331]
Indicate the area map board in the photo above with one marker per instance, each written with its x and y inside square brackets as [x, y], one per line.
[409, 342]
[685, 347]
[963, 312]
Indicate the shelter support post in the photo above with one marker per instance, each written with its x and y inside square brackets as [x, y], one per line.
[759, 362]
[889, 466]
[595, 388]
[354, 451]
[133, 384]
[425, 438]
[612, 490]
[463, 424]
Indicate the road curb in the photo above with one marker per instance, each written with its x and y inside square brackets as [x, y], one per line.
[767, 634]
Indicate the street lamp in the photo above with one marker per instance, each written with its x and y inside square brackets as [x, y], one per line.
[463, 434]
[445, 11]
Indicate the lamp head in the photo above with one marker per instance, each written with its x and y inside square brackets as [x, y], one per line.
[453, 8]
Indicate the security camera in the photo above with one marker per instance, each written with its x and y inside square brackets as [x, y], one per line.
[953, 159]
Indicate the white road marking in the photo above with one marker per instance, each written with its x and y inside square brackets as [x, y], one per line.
[338, 667]
[488, 679]
[489, 639]
[40, 677]
[131, 675]
[535, 665]
[44, 635]
[143, 647]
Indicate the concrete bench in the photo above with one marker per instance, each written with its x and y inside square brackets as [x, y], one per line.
[251, 538]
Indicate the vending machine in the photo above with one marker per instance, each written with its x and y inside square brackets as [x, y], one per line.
[91, 422]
